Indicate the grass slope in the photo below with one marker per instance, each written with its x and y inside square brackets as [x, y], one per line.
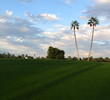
[54, 80]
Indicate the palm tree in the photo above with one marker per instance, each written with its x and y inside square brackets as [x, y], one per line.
[74, 26]
[93, 21]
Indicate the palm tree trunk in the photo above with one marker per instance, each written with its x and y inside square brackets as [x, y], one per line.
[76, 45]
[91, 43]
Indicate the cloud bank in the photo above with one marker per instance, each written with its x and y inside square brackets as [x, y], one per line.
[100, 10]
[18, 35]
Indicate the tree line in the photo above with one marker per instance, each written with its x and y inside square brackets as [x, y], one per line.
[98, 59]
[22, 56]
[25, 56]
[54, 53]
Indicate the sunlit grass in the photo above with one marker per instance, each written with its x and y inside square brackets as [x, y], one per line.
[54, 80]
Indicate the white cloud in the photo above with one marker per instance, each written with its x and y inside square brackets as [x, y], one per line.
[2, 20]
[69, 1]
[42, 18]
[9, 13]
[102, 1]
[84, 17]
[67, 37]
[51, 17]
[58, 25]
[31, 17]
[24, 29]
[16, 39]
[51, 35]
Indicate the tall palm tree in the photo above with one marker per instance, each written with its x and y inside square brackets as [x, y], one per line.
[93, 21]
[74, 26]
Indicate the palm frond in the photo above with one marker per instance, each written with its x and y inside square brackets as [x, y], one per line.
[93, 21]
[74, 25]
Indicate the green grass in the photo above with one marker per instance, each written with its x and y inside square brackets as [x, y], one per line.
[54, 80]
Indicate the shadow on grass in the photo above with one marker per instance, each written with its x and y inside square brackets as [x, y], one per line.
[35, 92]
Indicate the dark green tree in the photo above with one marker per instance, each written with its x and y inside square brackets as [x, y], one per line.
[55, 53]
[107, 59]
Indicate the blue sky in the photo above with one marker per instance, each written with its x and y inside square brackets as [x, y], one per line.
[66, 10]
[31, 26]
